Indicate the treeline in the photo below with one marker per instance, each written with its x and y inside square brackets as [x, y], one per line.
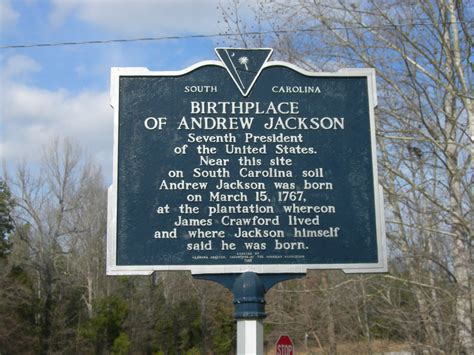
[422, 54]
[56, 299]
[54, 294]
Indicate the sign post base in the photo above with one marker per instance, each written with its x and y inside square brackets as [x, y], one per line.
[249, 291]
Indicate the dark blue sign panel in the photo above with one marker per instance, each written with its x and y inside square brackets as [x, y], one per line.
[244, 165]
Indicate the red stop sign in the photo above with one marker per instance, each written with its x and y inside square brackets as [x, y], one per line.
[284, 346]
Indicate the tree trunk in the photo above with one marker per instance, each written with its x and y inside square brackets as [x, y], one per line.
[330, 317]
[46, 316]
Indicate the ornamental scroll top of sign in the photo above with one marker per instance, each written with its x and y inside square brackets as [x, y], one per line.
[244, 164]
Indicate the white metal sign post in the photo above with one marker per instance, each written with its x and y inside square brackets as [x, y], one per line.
[250, 336]
[249, 293]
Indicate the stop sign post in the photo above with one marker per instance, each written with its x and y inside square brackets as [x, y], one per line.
[284, 346]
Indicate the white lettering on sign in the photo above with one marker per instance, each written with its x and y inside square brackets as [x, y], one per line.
[200, 88]
[284, 349]
[293, 123]
[296, 89]
[152, 123]
[211, 123]
[244, 107]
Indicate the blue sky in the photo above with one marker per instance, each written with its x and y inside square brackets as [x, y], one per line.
[64, 91]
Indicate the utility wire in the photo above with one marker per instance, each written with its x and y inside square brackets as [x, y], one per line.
[109, 41]
[215, 35]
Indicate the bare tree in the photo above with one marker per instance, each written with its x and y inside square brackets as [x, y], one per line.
[421, 51]
[53, 203]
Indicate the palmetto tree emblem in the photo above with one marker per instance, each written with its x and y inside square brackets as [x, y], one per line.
[244, 65]
[244, 61]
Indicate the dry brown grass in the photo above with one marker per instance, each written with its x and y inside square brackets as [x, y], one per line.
[357, 348]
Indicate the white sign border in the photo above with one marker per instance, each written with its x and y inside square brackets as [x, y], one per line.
[114, 269]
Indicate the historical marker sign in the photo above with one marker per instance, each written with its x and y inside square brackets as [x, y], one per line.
[244, 164]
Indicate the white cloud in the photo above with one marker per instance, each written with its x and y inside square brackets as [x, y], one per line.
[31, 117]
[142, 17]
[18, 66]
[8, 16]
